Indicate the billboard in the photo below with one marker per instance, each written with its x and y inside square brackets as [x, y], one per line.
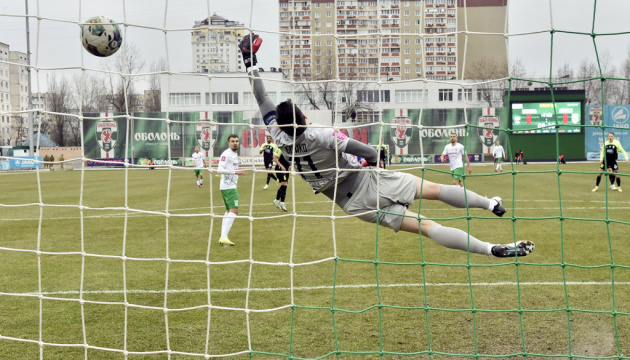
[146, 137]
[542, 117]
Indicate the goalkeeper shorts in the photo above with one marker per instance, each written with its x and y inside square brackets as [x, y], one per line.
[395, 191]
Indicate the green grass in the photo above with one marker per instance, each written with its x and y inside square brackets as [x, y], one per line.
[97, 274]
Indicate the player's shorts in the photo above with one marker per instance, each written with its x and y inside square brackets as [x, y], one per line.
[282, 176]
[230, 198]
[269, 164]
[458, 174]
[611, 165]
[497, 159]
[396, 191]
[198, 172]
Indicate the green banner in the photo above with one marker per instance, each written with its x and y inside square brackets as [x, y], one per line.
[105, 136]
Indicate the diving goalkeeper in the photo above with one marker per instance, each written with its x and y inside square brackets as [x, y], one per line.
[323, 158]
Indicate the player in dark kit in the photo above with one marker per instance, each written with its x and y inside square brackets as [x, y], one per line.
[611, 150]
[323, 158]
[267, 149]
[282, 166]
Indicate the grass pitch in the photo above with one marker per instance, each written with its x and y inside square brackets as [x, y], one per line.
[126, 265]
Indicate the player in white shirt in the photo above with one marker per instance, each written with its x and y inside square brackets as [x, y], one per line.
[498, 154]
[228, 168]
[197, 159]
[456, 153]
[323, 158]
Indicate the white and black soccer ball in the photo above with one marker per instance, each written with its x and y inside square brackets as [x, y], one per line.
[100, 36]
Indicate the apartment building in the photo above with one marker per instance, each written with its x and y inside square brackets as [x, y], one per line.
[18, 76]
[5, 96]
[386, 40]
[215, 45]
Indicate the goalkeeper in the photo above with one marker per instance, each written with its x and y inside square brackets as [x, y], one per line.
[610, 151]
[323, 158]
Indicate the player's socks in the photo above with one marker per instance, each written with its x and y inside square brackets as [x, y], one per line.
[453, 238]
[618, 181]
[599, 179]
[612, 179]
[226, 225]
[282, 192]
[454, 196]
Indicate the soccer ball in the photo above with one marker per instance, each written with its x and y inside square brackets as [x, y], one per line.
[100, 36]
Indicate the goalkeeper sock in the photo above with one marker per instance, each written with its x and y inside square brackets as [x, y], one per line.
[453, 238]
[226, 225]
[599, 179]
[618, 181]
[454, 196]
[612, 179]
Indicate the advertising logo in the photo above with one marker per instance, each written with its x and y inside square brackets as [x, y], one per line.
[487, 132]
[620, 115]
[205, 136]
[107, 134]
[401, 131]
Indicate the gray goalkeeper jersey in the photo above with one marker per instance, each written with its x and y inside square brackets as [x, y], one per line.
[315, 156]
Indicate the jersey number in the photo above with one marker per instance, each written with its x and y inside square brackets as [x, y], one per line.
[310, 164]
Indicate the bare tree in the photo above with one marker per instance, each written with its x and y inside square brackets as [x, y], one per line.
[322, 92]
[623, 95]
[120, 83]
[492, 76]
[88, 92]
[60, 102]
[153, 97]
[592, 88]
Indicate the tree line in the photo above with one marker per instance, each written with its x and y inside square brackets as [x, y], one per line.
[115, 90]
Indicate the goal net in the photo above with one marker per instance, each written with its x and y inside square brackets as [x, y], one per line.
[115, 254]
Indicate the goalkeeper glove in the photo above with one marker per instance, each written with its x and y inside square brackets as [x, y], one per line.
[249, 48]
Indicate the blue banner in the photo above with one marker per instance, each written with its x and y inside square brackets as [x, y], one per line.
[614, 118]
[26, 162]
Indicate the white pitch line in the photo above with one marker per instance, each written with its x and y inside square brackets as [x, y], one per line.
[315, 212]
[324, 287]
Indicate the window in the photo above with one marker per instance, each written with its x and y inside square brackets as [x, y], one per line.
[249, 99]
[298, 97]
[225, 98]
[328, 42]
[406, 96]
[464, 94]
[445, 95]
[372, 96]
[183, 99]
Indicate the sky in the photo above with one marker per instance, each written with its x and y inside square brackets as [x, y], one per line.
[55, 36]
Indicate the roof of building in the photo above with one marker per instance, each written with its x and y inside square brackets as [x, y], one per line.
[43, 142]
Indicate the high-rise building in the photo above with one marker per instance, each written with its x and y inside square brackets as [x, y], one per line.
[19, 96]
[5, 96]
[215, 45]
[386, 39]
